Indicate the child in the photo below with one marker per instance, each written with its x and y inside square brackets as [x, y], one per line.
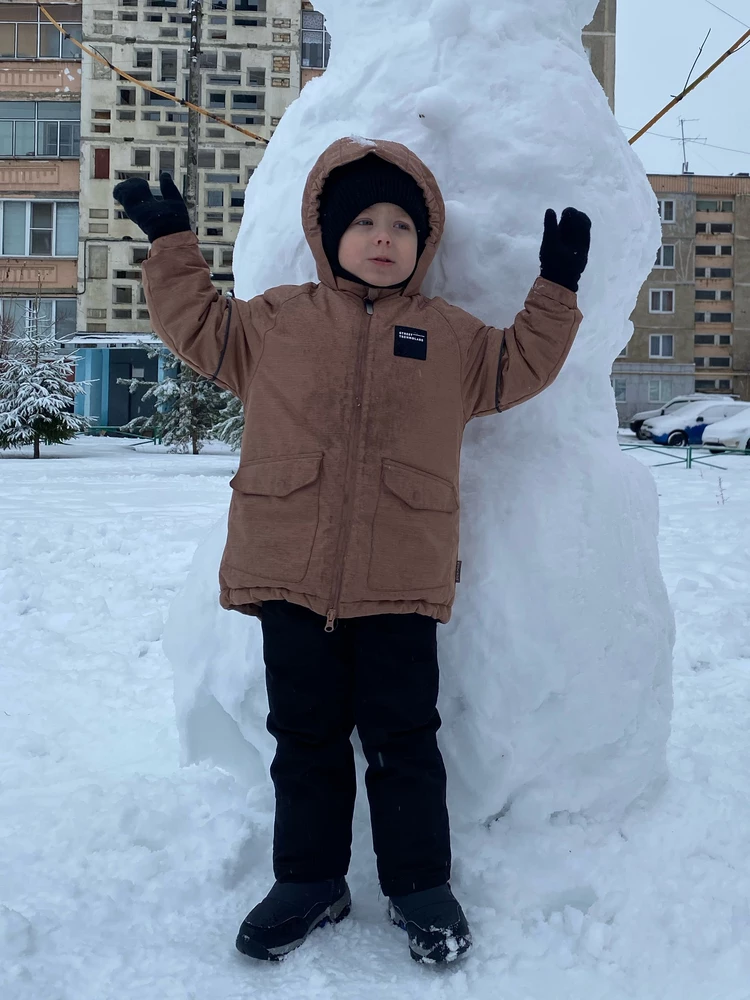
[343, 524]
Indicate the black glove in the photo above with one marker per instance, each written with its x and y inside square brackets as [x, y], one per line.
[156, 216]
[565, 247]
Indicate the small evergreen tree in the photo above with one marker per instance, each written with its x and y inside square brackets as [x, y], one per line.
[229, 429]
[36, 393]
[188, 405]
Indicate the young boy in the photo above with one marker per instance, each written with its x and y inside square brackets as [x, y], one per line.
[343, 524]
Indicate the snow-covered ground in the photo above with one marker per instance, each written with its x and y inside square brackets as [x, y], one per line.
[124, 877]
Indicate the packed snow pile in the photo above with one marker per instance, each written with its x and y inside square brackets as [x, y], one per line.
[556, 667]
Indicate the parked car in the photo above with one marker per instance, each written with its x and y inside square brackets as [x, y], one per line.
[687, 423]
[636, 422]
[734, 432]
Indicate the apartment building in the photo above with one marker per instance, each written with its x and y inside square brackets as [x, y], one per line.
[599, 40]
[692, 319]
[40, 113]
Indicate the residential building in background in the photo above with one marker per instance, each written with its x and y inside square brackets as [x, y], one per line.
[692, 320]
[250, 62]
[40, 115]
[599, 40]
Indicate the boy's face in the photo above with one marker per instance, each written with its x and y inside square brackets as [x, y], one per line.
[380, 246]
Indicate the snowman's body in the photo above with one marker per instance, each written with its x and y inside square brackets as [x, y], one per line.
[556, 666]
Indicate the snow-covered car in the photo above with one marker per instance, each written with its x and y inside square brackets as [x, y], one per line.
[637, 421]
[687, 424]
[734, 432]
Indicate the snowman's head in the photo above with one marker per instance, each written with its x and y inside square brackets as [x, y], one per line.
[378, 215]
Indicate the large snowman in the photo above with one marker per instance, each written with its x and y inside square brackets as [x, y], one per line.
[556, 665]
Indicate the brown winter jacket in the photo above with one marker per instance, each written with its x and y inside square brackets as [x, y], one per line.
[346, 499]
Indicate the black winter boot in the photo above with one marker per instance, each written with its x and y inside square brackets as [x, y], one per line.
[435, 923]
[290, 911]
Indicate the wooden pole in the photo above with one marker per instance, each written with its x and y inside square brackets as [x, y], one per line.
[194, 90]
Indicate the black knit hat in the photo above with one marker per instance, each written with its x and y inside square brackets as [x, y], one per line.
[352, 188]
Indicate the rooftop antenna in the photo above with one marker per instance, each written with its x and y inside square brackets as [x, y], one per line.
[685, 164]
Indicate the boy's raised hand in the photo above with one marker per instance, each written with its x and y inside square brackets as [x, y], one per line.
[155, 216]
[565, 247]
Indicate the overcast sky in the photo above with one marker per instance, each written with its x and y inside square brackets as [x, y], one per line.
[657, 42]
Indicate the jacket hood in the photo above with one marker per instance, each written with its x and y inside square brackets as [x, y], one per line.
[347, 151]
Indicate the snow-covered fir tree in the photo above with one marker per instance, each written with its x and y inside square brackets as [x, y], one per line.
[230, 428]
[36, 391]
[188, 406]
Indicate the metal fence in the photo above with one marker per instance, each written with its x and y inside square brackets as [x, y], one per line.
[688, 456]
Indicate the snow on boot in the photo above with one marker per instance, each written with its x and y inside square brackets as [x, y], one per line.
[290, 911]
[436, 925]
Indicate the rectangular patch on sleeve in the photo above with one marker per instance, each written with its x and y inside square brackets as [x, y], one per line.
[410, 343]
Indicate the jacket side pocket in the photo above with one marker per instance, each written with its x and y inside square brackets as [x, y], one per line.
[415, 530]
[273, 517]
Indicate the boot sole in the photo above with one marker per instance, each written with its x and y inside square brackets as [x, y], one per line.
[335, 913]
[437, 953]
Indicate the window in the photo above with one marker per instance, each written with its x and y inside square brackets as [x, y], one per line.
[126, 95]
[701, 227]
[226, 258]
[700, 317]
[721, 317]
[725, 296]
[719, 362]
[40, 128]
[237, 199]
[660, 390]
[167, 161]
[39, 228]
[139, 254]
[725, 339]
[661, 345]
[168, 64]
[666, 209]
[704, 338]
[214, 198]
[101, 164]
[143, 58]
[665, 256]
[699, 362]
[707, 294]
[232, 62]
[151, 98]
[209, 60]
[316, 42]
[253, 102]
[662, 301]
[726, 251]
[722, 227]
[122, 294]
[256, 77]
[25, 33]
[141, 157]
[714, 206]
[620, 387]
[230, 160]
[217, 99]
[700, 272]
[207, 158]
[721, 272]
[708, 250]
[22, 314]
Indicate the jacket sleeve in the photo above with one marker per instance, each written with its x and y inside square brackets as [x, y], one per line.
[507, 367]
[217, 337]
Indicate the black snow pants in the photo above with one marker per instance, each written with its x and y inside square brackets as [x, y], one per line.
[380, 674]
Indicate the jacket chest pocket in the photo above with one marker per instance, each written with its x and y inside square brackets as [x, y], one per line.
[273, 516]
[415, 530]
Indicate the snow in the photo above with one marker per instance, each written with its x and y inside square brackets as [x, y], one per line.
[556, 667]
[124, 876]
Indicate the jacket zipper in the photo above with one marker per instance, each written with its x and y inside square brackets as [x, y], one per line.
[348, 493]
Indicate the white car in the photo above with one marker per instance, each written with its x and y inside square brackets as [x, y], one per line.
[687, 424]
[734, 432]
[637, 421]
